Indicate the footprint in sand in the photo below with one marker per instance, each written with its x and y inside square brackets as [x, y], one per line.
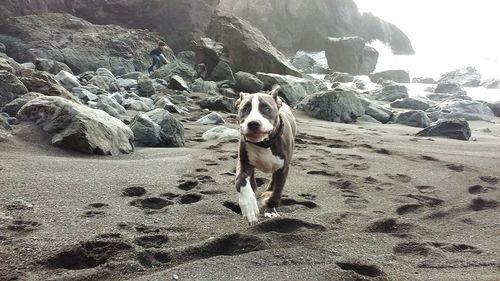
[427, 248]
[399, 177]
[476, 189]
[489, 179]
[286, 225]
[154, 203]
[187, 185]
[190, 198]
[480, 204]
[23, 225]
[357, 166]
[134, 191]
[151, 241]
[361, 269]
[455, 167]
[429, 158]
[426, 188]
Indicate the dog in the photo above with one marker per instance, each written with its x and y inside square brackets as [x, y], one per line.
[267, 142]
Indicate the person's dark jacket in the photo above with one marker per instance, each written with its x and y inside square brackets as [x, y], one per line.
[157, 52]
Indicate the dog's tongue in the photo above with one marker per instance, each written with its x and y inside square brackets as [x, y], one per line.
[255, 136]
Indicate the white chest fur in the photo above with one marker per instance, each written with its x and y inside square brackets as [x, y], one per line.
[263, 159]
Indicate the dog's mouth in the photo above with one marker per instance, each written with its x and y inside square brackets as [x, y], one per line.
[256, 136]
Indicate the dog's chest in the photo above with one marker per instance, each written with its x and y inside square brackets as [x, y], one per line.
[263, 159]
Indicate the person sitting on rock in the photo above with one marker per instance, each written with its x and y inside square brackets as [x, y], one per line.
[158, 56]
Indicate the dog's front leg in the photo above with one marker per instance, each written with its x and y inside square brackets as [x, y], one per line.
[272, 197]
[246, 186]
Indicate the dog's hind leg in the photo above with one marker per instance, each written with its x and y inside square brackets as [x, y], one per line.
[272, 197]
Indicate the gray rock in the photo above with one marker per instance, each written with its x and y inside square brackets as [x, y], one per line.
[349, 54]
[337, 106]
[67, 80]
[369, 119]
[468, 110]
[136, 105]
[467, 77]
[165, 103]
[219, 103]
[249, 51]
[398, 76]
[51, 66]
[132, 75]
[84, 95]
[105, 80]
[117, 97]
[78, 127]
[145, 87]
[172, 131]
[221, 133]
[495, 107]
[146, 132]
[177, 83]
[200, 86]
[222, 71]
[10, 87]
[28, 65]
[187, 57]
[293, 89]
[125, 83]
[175, 68]
[410, 103]
[424, 80]
[248, 83]
[307, 64]
[414, 118]
[491, 83]
[376, 111]
[3, 49]
[450, 88]
[390, 92]
[213, 118]
[149, 102]
[369, 60]
[13, 107]
[339, 77]
[44, 83]
[4, 123]
[113, 108]
[455, 129]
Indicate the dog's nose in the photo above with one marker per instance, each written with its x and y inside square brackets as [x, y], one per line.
[254, 125]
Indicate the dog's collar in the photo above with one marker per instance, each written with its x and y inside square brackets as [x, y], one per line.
[273, 137]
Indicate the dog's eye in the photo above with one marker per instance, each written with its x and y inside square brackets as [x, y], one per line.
[267, 109]
[246, 108]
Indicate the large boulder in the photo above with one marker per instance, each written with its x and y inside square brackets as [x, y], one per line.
[51, 66]
[377, 111]
[135, 105]
[113, 108]
[212, 118]
[67, 80]
[219, 103]
[105, 80]
[468, 110]
[414, 118]
[79, 44]
[292, 89]
[398, 76]
[467, 77]
[304, 25]
[495, 107]
[172, 131]
[349, 54]
[340, 77]
[491, 83]
[78, 127]
[247, 82]
[201, 86]
[308, 63]
[248, 49]
[221, 133]
[390, 92]
[145, 87]
[336, 106]
[44, 83]
[452, 88]
[10, 87]
[410, 103]
[455, 129]
[181, 69]
[13, 107]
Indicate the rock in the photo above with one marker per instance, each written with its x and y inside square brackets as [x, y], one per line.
[220, 133]
[172, 131]
[200, 86]
[213, 118]
[105, 80]
[28, 65]
[3, 49]
[248, 49]
[466, 77]
[410, 103]
[347, 54]
[78, 127]
[4, 123]
[146, 132]
[219, 103]
[248, 83]
[414, 118]
[491, 83]
[304, 25]
[423, 80]
[51, 66]
[468, 110]
[222, 71]
[148, 101]
[84, 95]
[127, 84]
[455, 129]
[165, 103]
[495, 107]
[132, 75]
[376, 111]
[13, 107]
[390, 92]
[339, 77]
[175, 68]
[398, 76]
[211, 59]
[79, 44]
[187, 57]
[145, 87]
[135, 105]
[44, 83]
[293, 89]
[67, 80]
[177, 83]
[308, 64]
[336, 105]
[117, 97]
[450, 88]
[113, 108]
[10, 87]
[369, 119]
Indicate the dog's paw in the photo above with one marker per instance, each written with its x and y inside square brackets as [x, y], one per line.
[248, 203]
[271, 213]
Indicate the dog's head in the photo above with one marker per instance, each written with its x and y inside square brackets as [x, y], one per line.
[258, 114]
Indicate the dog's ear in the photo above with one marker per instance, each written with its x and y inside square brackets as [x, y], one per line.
[239, 100]
[275, 94]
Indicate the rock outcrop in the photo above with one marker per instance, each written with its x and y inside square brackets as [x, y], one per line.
[336, 106]
[467, 77]
[292, 89]
[455, 129]
[351, 55]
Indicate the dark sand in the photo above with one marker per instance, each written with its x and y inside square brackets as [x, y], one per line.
[363, 202]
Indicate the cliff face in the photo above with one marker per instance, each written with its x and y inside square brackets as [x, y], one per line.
[296, 24]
